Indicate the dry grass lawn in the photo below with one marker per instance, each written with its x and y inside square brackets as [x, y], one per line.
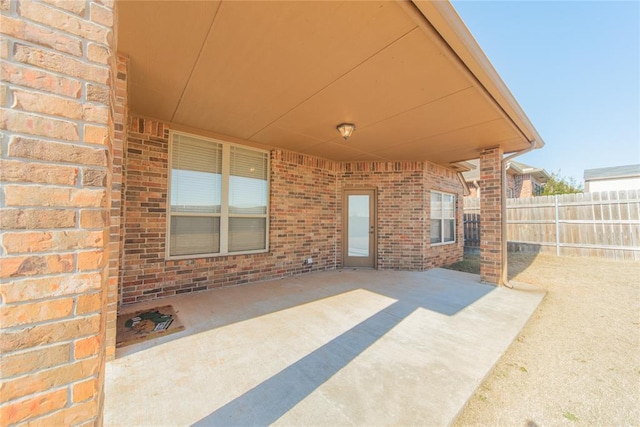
[577, 361]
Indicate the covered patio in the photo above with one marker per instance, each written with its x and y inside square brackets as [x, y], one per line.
[111, 106]
[342, 347]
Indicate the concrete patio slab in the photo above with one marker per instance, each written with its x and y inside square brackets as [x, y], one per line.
[333, 348]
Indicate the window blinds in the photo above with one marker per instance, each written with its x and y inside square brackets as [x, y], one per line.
[218, 198]
[248, 182]
[196, 182]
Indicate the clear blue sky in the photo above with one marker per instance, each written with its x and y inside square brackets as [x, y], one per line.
[574, 67]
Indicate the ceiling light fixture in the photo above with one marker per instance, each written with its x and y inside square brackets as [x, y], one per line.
[346, 129]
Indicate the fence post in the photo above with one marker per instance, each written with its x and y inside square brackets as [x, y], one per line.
[557, 226]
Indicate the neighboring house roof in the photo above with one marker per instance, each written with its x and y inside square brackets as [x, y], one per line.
[285, 74]
[515, 168]
[614, 172]
[539, 174]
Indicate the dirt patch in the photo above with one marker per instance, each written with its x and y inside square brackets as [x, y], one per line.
[577, 361]
[470, 264]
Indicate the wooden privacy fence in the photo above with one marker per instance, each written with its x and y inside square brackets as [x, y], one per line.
[603, 224]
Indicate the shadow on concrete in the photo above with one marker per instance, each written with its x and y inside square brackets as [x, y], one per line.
[313, 343]
[274, 397]
[445, 297]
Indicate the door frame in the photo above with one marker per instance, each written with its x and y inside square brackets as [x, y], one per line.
[373, 224]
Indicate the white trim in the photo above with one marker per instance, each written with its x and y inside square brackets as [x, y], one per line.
[455, 220]
[445, 20]
[224, 202]
[443, 243]
[215, 255]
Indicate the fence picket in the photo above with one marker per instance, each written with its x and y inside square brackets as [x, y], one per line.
[603, 224]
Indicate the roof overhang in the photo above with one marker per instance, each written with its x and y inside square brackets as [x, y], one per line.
[446, 21]
[540, 175]
[284, 74]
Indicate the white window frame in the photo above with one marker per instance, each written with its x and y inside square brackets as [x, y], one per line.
[224, 202]
[442, 219]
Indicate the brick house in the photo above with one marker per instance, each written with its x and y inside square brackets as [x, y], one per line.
[155, 148]
[522, 180]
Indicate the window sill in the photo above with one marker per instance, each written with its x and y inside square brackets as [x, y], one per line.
[443, 243]
[200, 256]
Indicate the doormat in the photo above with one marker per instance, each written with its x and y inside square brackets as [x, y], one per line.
[146, 325]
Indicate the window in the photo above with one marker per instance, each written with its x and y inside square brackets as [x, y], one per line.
[218, 198]
[537, 189]
[443, 217]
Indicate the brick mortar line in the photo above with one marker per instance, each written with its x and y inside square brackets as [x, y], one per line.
[68, 385]
[72, 358]
[42, 161]
[88, 421]
[79, 186]
[72, 316]
[29, 326]
[56, 74]
[42, 26]
[55, 7]
[86, 18]
[30, 421]
[34, 395]
[4, 206]
[48, 298]
[64, 275]
[81, 123]
[81, 99]
[48, 253]
[49, 229]
[13, 86]
[83, 58]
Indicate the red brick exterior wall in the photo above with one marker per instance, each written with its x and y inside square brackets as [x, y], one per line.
[55, 155]
[491, 214]
[401, 225]
[116, 245]
[523, 186]
[305, 219]
[512, 191]
[303, 208]
[445, 180]
[518, 186]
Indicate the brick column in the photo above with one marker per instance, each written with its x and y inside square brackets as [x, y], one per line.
[491, 215]
[55, 145]
[120, 112]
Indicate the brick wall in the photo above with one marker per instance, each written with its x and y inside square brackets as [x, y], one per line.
[442, 179]
[305, 219]
[116, 245]
[514, 187]
[518, 186]
[400, 216]
[54, 203]
[491, 214]
[524, 186]
[301, 224]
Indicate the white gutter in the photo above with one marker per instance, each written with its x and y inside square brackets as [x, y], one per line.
[504, 268]
[443, 17]
[443, 20]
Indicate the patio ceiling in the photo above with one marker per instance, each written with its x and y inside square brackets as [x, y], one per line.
[284, 74]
